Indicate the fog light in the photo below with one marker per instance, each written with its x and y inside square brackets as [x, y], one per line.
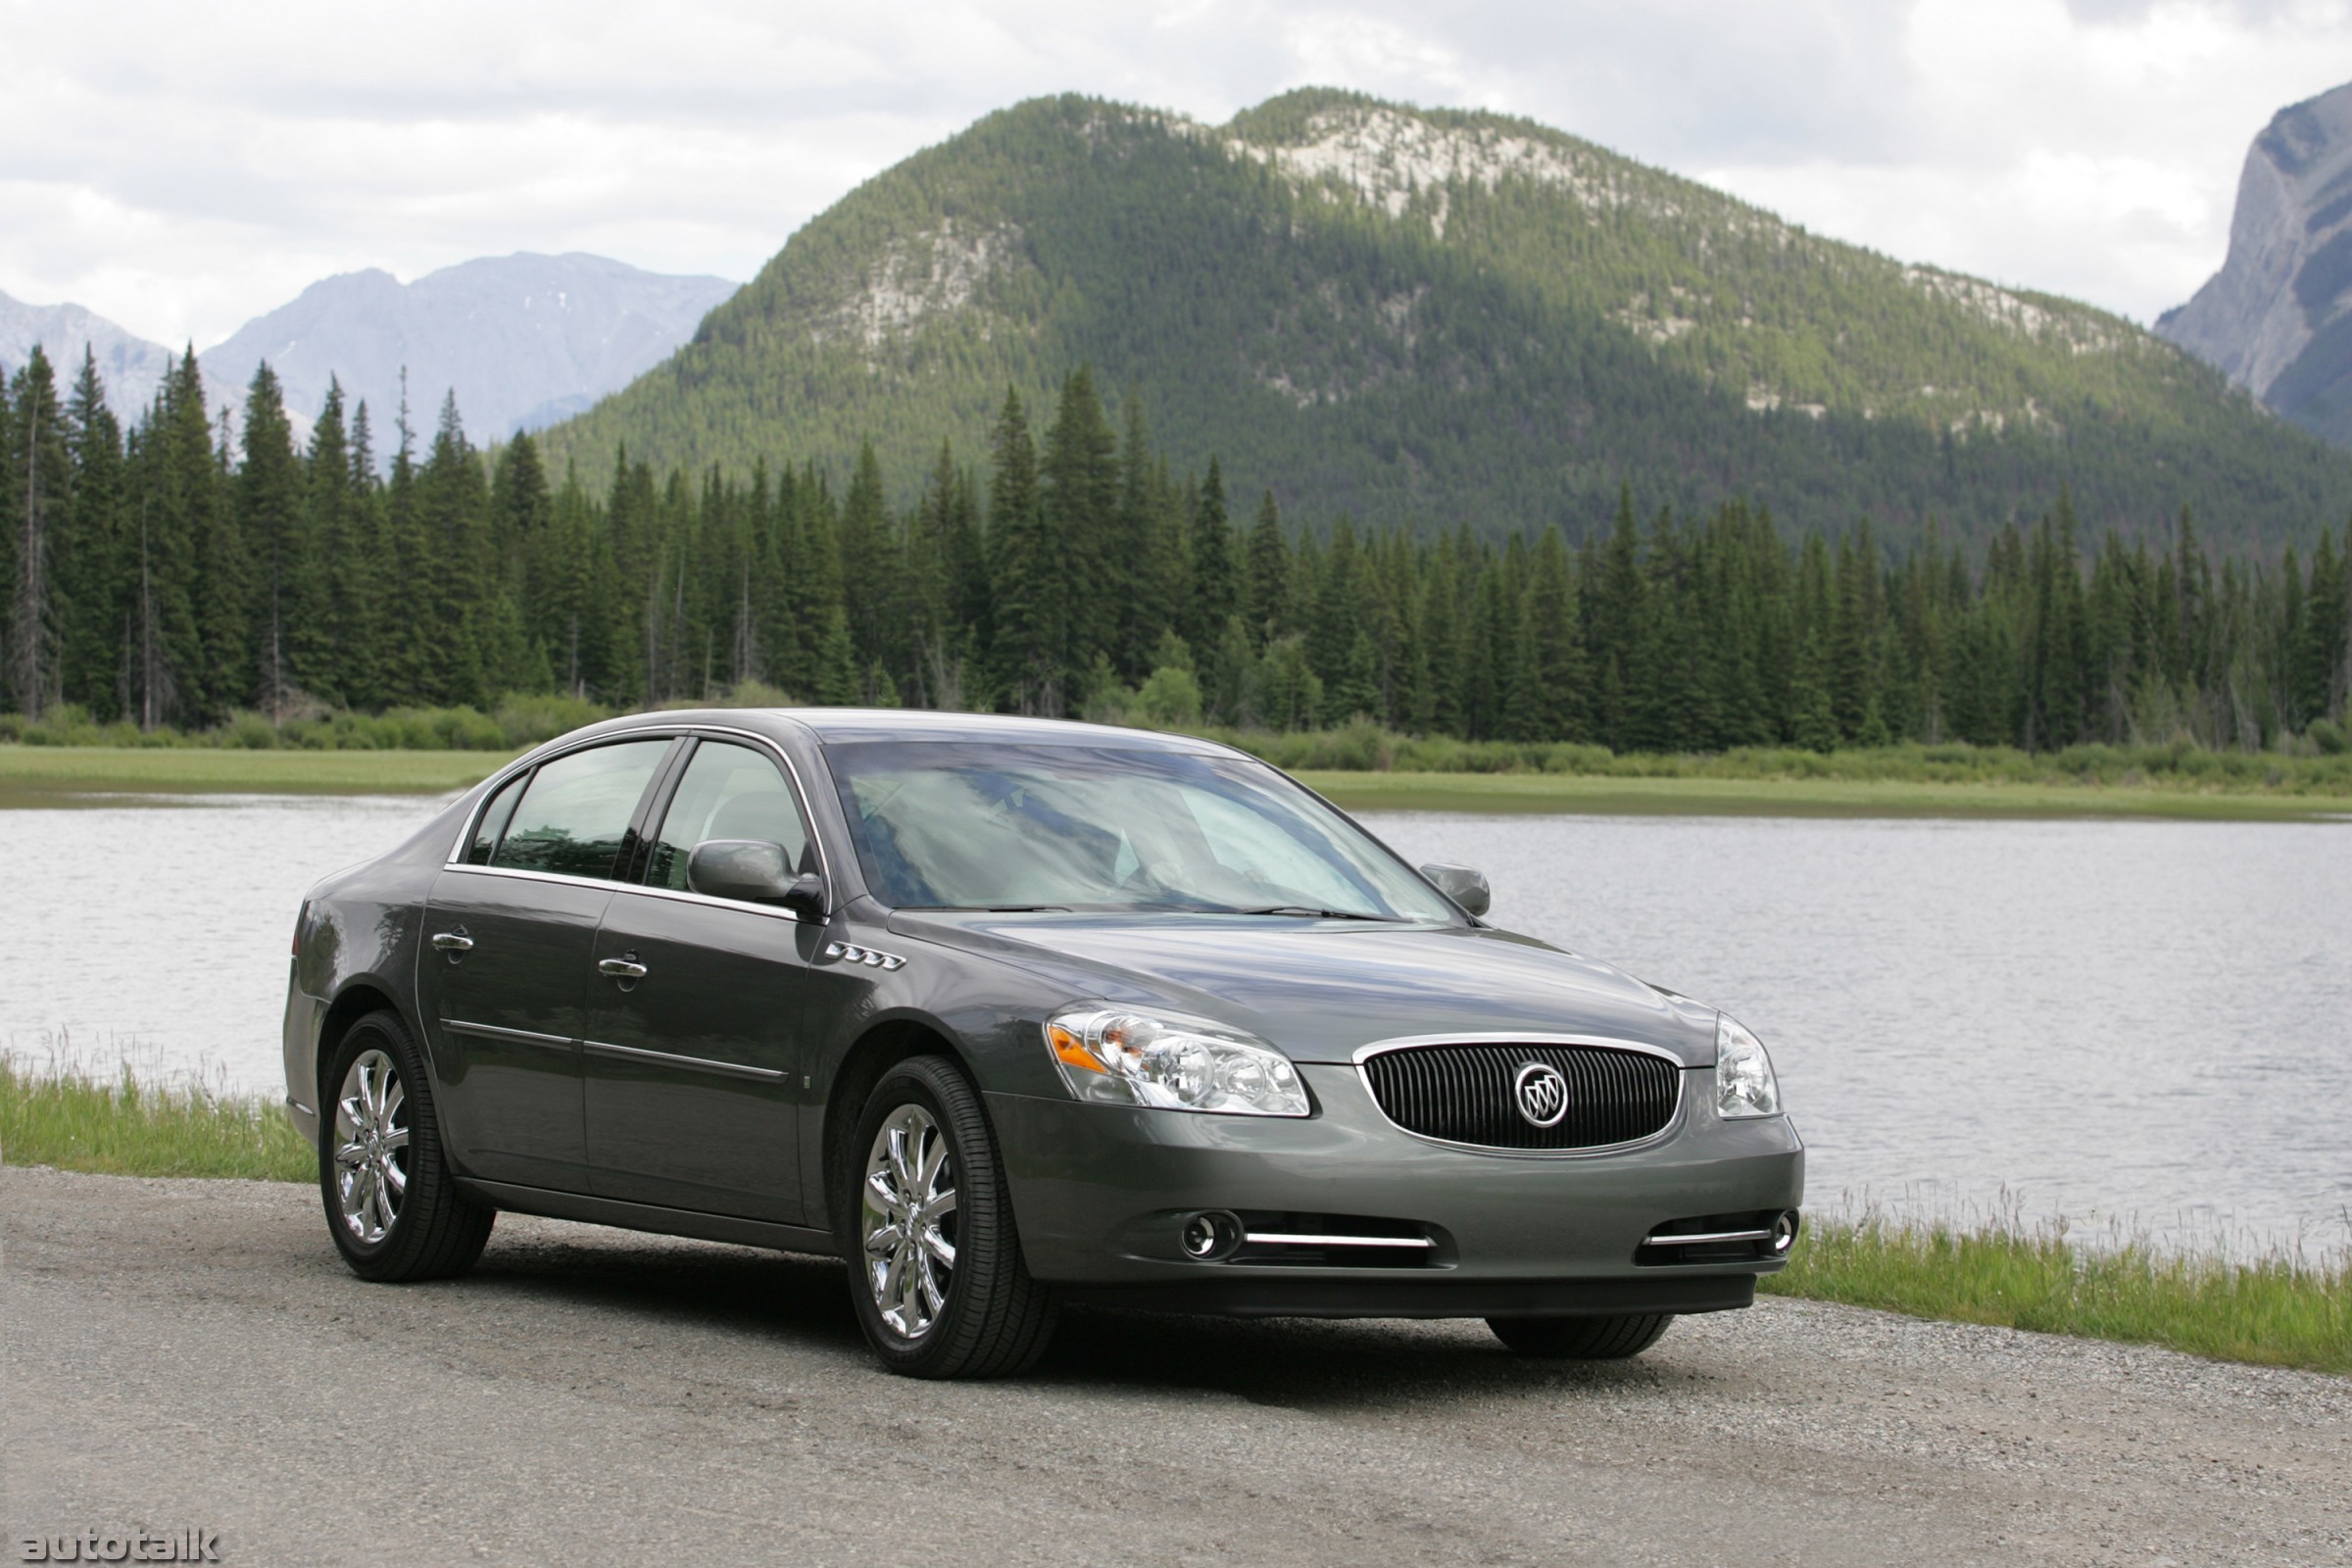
[1212, 1236]
[1783, 1232]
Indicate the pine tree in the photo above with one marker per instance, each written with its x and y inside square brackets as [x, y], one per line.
[1030, 647]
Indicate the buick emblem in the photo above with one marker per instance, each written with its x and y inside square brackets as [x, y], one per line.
[1541, 1093]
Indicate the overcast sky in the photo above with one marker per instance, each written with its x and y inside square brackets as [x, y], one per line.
[180, 169]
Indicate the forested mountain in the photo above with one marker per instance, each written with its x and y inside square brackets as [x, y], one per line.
[164, 578]
[1432, 318]
[523, 340]
[2278, 317]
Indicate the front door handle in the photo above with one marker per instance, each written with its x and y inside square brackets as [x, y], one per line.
[620, 969]
[453, 942]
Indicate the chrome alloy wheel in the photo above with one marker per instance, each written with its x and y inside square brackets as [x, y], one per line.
[910, 1209]
[371, 1146]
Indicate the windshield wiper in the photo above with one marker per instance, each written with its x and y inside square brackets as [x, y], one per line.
[1320, 914]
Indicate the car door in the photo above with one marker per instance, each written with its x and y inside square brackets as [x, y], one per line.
[693, 1049]
[508, 938]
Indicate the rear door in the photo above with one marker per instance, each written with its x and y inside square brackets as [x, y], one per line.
[509, 939]
[693, 1050]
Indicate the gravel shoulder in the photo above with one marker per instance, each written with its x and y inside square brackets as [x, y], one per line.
[193, 1353]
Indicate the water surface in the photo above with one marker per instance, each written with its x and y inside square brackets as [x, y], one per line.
[2124, 1023]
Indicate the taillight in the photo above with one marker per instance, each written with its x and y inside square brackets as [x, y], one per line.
[301, 920]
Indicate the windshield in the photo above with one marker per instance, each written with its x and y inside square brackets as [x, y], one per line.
[975, 825]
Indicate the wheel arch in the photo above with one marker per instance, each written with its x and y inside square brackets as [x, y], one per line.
[359, 996]
[874, 1053]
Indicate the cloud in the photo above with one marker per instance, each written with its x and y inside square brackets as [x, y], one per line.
[181, 169]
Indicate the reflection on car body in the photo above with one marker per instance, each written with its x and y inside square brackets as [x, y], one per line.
[1008, 1013]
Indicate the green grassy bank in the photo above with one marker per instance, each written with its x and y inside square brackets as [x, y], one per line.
[120, 1127]
[2274, 1313]
[43, 774]
[2271, 1313]
[1669, 796]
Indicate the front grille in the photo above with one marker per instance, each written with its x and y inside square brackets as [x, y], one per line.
[1466, 1095]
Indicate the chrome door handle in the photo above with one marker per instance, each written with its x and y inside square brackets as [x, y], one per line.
[453, 942]
[620, 969]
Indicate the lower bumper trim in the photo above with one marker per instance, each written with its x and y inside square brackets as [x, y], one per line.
[1243, 1296]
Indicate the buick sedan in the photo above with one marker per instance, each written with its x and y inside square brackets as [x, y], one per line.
[1007, 1014]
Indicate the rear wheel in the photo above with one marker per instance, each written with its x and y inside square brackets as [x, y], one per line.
[1580, 1339]
[392, 1206]
[935, 1270]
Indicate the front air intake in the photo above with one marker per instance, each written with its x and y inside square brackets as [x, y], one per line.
[1501, 1094]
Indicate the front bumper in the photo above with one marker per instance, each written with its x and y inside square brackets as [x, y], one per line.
[1100, 1192]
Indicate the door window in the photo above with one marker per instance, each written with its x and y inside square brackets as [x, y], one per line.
[729, 792]
[575, 814]
[493, 821]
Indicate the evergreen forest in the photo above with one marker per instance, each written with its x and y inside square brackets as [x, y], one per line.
[173, 576]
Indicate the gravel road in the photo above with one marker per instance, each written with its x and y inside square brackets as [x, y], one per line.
[193, 1353]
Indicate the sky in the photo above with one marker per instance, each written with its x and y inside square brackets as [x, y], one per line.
[180, 169]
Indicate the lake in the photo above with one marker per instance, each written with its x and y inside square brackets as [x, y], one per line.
[2137, 1026]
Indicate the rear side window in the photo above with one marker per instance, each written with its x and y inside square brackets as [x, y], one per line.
[729, 792]
[495, 817]
[575, 813]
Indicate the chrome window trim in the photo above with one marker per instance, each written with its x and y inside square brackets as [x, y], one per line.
[708, 900]
[454, 860]
[1674, 1123]
[669, 1058]
[518, 1036]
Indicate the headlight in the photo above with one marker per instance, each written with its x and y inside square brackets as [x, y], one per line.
[1744, 1082]
[1135, 1058]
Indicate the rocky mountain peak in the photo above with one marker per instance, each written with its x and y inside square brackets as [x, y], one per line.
[2278, 317]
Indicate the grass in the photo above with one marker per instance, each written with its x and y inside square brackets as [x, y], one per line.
[1669, 796]
[2276, 1312]
[122, 1127]
[36, 774]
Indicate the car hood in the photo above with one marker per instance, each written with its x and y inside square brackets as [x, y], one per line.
[1319, 989]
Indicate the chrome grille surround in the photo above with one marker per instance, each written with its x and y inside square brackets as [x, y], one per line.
[1648, 1076]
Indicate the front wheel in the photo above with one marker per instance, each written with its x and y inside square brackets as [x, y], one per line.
[392, 1206]
[935, 1272]
[1580, 1339]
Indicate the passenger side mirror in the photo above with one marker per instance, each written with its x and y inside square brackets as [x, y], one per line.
[749, 869]
[1459, 883]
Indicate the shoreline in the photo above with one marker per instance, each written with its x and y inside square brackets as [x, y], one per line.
[55, 777]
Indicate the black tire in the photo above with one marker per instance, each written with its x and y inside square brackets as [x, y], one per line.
[992, 1320]
[1580, 1339]
[429, 1230]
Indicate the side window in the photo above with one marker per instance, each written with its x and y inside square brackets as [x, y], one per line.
[577, 811]
[729, 792]
[494, 816]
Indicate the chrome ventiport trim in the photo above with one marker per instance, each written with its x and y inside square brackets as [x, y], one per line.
[1674, 1123]
[872, 959]
[1272, 1240]
[1706, 1238]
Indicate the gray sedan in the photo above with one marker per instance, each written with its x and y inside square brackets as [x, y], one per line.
[1008, 1013]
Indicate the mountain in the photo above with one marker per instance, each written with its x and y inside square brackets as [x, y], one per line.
[1432, 316]
[523, 340]
[131, 368]
[2278, 317]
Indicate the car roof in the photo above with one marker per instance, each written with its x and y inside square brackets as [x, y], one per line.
[835, 725]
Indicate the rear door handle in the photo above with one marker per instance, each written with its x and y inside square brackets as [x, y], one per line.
[453, 942]
[620, 969]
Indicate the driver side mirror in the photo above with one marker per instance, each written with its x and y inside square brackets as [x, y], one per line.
[1463, 886]
[753, 871]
